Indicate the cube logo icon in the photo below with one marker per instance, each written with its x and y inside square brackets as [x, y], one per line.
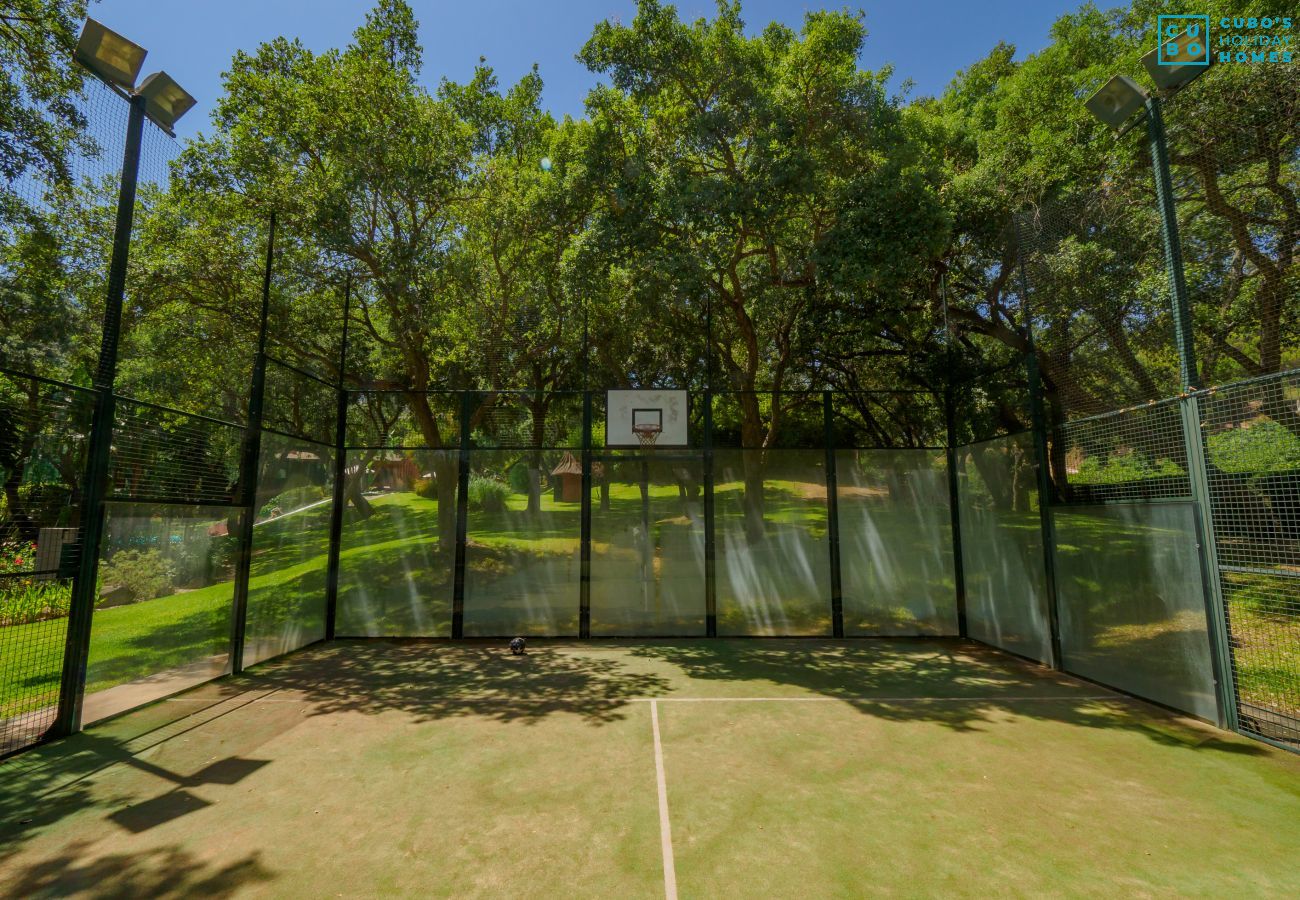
[1184, 40]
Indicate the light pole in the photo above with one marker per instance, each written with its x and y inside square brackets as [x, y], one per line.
[116, 61]
[1115, 105]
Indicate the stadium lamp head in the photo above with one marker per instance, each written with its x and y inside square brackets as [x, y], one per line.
[1116, 102]
[109, 55]
[1172, 76]
[165, 101]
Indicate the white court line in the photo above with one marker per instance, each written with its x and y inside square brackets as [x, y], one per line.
[665, 827]
[452, 698]
[872, 699]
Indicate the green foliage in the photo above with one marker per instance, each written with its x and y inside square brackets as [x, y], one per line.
[294, 498]
[1261, 445]
[487, 494]
[29, 600]
[1119, 468]
[142, 574]
[426, 488]
[518, 478]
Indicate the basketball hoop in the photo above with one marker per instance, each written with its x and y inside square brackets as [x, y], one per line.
[647, 433]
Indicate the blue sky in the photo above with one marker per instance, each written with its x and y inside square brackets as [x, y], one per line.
[927, 41]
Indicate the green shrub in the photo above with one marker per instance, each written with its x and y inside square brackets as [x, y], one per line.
[426, 488]
[294, 498]
[518, 478]
[487, 494]
[142, 574]
[1260, 446]
[1120, 468]
[29, 600]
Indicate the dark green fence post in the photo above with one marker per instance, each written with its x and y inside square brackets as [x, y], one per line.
[1043, 470]
[340, 476]
[833, 515]
[462, 517]
[584, 571]
[954, 507]
[76, 648]
[248, 468]
[1216, 614]
[710, 562]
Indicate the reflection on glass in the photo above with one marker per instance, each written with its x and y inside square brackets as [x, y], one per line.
[522, 556]
[397, 553]
[647, 545]
[896, 559]
[162, 621]
[286, 590]
[1131, 601]
[1002, 547]
[772, 553]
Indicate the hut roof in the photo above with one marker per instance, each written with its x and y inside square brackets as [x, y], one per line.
[567, 466]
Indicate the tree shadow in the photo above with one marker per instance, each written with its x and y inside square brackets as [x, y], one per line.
[431, 680]
[960, 685]
[154, 872]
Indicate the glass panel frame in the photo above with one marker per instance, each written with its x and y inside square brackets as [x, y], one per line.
[773, 582]
[163, 619]
[897, 570]
[647, 561]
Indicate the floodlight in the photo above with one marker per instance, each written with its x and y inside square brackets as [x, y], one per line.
[1116, 102]
[1171, 76]
[165, 101]
[109, 55]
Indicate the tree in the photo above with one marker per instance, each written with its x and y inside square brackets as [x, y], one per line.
[764, 176]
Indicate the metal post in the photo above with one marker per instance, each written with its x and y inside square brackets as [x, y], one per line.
[584, 571]
[710, 561]
[833, 516]
[76, 648]
[1043, 468]
[1190, 418]
[340, 475]
[954, 507]
[248, 468]
[710, 546]
[462, 518]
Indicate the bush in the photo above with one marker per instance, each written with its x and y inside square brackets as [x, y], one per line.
[1122, 468]
[518, 478]
[426, 488]
[294, 498]
[28, 600]
[141, 574]
[487, 494]
[1259, 446]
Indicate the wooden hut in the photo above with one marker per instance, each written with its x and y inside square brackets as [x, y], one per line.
[569, 471]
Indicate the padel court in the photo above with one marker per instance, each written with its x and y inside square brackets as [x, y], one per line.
[703, 768]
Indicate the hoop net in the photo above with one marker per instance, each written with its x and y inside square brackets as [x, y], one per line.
[647, 434]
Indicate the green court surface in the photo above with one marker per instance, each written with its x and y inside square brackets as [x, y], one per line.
[709, 768]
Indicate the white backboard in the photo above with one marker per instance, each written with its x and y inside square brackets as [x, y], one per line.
[625, 408]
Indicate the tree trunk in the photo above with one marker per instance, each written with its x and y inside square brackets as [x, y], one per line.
[446, 474]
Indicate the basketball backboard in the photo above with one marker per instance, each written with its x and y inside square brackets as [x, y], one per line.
[626, 410]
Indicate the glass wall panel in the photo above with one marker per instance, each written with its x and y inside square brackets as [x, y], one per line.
[896, 559]
[1002, 547]
[521, 563]
[291, 535]
[1132, 605]
[773, 557]
[397, 553]
[166, 590]
[647, 545]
